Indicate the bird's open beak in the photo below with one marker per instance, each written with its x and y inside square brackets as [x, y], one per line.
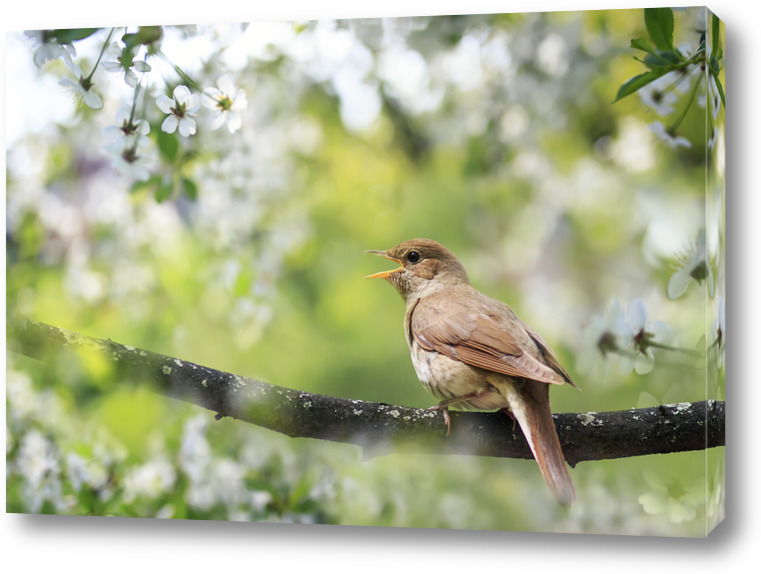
[384, 274]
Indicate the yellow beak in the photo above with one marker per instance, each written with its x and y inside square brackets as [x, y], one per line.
[384, 274]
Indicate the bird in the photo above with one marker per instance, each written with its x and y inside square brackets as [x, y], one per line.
[473, 352]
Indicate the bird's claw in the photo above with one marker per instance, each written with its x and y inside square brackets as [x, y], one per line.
[509, 413]
[447, 418]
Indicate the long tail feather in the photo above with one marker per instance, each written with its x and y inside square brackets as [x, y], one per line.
[530, 404]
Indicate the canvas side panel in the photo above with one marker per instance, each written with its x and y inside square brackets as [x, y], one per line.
[715, 244]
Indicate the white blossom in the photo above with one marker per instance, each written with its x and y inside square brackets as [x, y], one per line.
[645, 336]
[182, 108]
[195, 451]
[658, 95]
[127, 159]
[81, 472]
[711, 95]
[149, 480]
[128, 128]
[121, 60]
[48, 48]
[677, 501]
[226, 102]
[82, 90]
[693, 264]
[668, 136]
[36, 459]
[605, 334]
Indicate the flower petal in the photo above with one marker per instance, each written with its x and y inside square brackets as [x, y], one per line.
[92, 100]
[75, 69]
[143, 127]
[240, 102]
[181, 94]
[637, 315]
[194, 102]
[123, 113]
[114, 51]
[140, 173]
[130, 78]
[644, 363]
[165, 103]
[234, 121]
[217, 119]
[678, 284]
[111, 132]
[226, 84]
[112, 66]
[170, 124]
[187, 127]
[661, 332]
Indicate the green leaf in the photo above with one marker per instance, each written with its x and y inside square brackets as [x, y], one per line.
[715, 28]
[73, 34]
[721, 91]
[667, 60]
[714, 68]
[660, 26]
[642, 44]
[637, 82]
[150, 183]
[701, 43]
[144, 35]
[242, 285]
[164, 192]
[168, 145]
[190, 188]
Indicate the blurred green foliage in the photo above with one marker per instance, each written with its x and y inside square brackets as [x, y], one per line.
[495, 135]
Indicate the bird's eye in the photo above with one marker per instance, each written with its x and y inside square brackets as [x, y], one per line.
[413, 256]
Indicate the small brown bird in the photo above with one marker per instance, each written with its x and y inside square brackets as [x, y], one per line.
[473, 351]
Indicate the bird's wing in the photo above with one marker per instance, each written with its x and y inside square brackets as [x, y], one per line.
[473, 335]
[548, 354]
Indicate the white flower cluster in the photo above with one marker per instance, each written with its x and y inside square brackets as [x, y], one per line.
[661, 96]
[48, 477]
[55, 463]
[126, 141]
[216, 481]
[665, 93]
[630, 337]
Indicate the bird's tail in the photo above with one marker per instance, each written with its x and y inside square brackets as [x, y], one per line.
[530, 404]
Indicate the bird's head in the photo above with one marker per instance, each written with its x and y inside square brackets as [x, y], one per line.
[426, 267]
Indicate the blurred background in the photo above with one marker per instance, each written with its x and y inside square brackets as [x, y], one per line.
[243, 251]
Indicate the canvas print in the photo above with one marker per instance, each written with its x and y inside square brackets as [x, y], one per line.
[461, 272]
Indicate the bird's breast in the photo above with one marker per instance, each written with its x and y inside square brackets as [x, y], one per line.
[446, 379]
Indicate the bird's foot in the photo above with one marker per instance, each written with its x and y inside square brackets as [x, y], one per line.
[509, 413]
[442, 406]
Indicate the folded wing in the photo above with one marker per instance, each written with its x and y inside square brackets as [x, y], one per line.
[501, 343]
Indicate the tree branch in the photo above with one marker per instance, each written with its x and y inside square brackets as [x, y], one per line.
[377, 427]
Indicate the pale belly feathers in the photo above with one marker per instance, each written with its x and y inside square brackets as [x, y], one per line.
[446, 378]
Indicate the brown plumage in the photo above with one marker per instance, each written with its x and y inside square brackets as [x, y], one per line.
[472, 351]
